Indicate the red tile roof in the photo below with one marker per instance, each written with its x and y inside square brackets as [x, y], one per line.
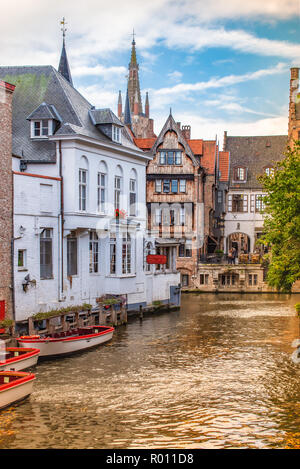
[224, 165]
[208, 157]
[144, 143]
[196, 146]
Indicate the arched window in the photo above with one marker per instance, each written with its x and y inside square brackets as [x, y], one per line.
[102, 187]
[118, 183]
[133, 193]
[83, 184]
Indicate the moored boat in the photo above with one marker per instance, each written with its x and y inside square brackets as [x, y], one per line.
[64, 343]
[17, 358]
[14, 386]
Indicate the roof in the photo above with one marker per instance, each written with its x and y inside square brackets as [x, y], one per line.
[208, 158]
[45, 111]
[196, 146]
[43, 84]
[224, 166]
[144, 143]
[63, 67]
[254, 153]
[104, 116]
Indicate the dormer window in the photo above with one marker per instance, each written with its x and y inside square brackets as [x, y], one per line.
[44, 121]
[170, 157]
[40, 128]
[116, 134]
[240, 174]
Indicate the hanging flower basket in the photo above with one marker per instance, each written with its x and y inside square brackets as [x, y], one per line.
[120, 213]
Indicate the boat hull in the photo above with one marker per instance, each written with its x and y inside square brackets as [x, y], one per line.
[21, 361]
[17, 390]
[50, 347]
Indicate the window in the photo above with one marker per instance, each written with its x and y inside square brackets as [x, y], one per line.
[116, 134]
[132, 197]
[252, 280]
[220, 197]
[182, 185]
[46, 253]
[237, 203]
[269, 171]
[259, 203]
[166, 185]
[82, 189]
[118, 184]
[184, 280]
[101, 192]
[22, 259]
[158, 185]
[147, 253]
[204, 279]
[112, 253]
[178, 157]
[158, 216]
[126, 254]
[170, 157]
[162, 158]
[182, 216]
[71, 256]
[94, 252]
[239, 174]
[185, 250]
[174, 186]
[41, 128]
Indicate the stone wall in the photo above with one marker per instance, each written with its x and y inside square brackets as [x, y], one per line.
[6, 197]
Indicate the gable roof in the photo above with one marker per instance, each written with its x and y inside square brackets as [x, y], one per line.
[45, 111]
[255, 153]
[170, 124]
[224, 166]
[36, 85]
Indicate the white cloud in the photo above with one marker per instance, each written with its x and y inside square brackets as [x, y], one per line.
[175, 76]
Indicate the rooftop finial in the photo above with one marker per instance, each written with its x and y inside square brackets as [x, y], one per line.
[133, 34]
[64, 29]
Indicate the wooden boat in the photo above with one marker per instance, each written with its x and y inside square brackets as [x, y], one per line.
[17, 358]
[65, 343]
[14, 386]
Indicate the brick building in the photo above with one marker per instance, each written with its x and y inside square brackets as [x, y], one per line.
[134, 117]
[6, 197]
[182, 183]
[294, 107]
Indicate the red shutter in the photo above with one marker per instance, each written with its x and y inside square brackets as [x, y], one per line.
[156, 259]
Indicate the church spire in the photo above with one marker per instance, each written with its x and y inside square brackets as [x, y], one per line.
[63, 67]
[133, 80]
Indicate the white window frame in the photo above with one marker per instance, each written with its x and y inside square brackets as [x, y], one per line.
[182, 186]
[93, 253]
[83, 187]
[101, 191]
[22, 266]
[43, 130]
[117, 192]
[116, 134]
[126, 254]
[132, 194]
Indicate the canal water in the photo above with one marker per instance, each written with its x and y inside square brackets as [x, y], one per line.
[218, 373]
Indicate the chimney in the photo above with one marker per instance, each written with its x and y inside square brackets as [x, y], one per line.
[186, 130]
[225, 140]
[120, 105]
[147, 107]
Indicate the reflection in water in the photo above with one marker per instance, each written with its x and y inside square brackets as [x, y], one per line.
[216, 374]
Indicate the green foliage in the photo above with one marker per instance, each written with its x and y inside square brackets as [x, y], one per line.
[282, 221]
[297, 306]
[61, 311]
[6, 323]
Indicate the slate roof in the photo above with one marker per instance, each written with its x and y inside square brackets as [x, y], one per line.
[43, 84]
[45, 111]
[254, 153]
[104, 116]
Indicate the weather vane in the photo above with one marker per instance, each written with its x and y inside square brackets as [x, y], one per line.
[64, 29]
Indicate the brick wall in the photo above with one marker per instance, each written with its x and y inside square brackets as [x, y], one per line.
[6, 195]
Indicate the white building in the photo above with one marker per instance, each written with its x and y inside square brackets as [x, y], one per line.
[79, 202]
[250, 157]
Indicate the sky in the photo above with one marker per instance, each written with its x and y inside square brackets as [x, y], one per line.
[219, 65]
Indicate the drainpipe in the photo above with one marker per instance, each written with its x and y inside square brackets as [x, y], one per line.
[61, 224]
